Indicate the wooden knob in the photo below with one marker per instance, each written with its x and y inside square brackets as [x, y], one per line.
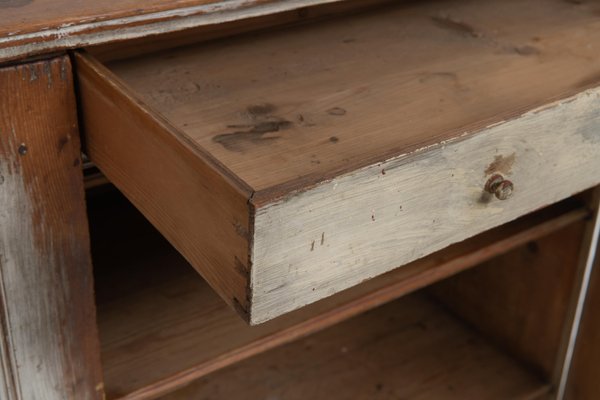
[499, 187]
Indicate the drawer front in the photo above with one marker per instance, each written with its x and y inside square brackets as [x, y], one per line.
[354, 227]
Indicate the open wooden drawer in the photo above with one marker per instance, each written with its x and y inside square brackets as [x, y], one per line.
[289, 165]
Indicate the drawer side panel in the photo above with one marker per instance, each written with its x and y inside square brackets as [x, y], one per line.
[203, 212]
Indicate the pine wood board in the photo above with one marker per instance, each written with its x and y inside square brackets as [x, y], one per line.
[380, 83]
[30, 27]
[161, 327]
[49, 346]
[331, 157]
[409, 349]
[521, 300]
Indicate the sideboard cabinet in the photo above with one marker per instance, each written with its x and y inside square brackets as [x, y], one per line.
[289, 199]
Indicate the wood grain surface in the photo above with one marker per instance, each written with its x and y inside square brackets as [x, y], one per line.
[199, 206]
[356, 153]
[520, 300]
[409, 349]
[316, 100]
[30, 27]
[362, 224]
[48, 333]
[162, 327]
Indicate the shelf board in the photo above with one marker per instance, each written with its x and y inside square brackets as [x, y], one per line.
[409, 349]
[161, 326]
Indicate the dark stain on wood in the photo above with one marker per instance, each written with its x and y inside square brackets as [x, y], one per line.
[337, 111]
[241, 230]
[533, 247]
[501, 164]
[262, 122]
[322, 238]
[240, 267]
[334, 139]
[261, 109]
[62, 142]
[485, 197]
[302, 13]
[276, 288]
[303, 121]
[240, 308]
[253, 134]
[526, 50]
[456, 26]
[14, 3]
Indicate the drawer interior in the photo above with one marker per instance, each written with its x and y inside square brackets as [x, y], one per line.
[162, 328]
[292, 106]
[291, 164]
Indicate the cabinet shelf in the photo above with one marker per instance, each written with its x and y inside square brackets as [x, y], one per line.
[161, 327]
[411, 348]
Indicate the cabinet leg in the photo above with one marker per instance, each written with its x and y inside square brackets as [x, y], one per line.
[48, 334]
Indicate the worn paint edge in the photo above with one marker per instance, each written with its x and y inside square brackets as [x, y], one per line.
[10, 178]
[73, 35]
[399, 160]
[8, 383]
[261, 202]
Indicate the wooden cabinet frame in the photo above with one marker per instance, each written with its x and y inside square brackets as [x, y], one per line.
[48, 335]
[49, 347]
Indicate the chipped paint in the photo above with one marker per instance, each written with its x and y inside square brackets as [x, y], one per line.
[501, 164]
[19, 246]
[78, 34]
[359, 248]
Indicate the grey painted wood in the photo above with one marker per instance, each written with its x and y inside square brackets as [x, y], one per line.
[48, 335]
[365, 223]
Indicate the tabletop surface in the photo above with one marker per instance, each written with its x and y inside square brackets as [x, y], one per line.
[35, 26]
[320, 99]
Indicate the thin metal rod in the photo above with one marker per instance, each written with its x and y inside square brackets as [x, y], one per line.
[585, 282]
